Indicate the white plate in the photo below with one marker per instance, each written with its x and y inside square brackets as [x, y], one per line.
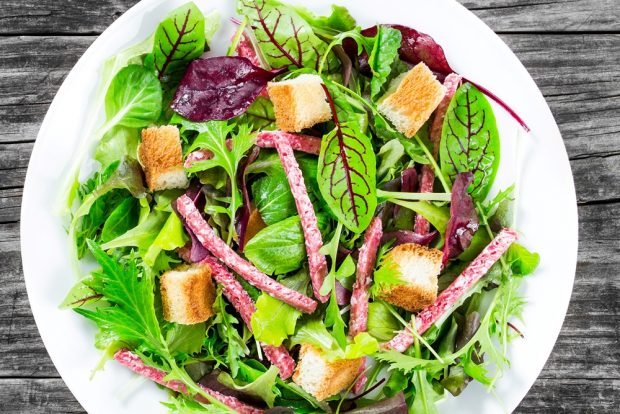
[547, 215]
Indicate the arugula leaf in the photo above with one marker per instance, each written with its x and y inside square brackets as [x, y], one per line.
[383, 55]
[280, 248]
[470, 140]
[179, 39]
[264, 387]
[224, 323]
[214, 139]
[274, 320]
[347, 176]
[186, 339]
[134, 98]
[283, 36]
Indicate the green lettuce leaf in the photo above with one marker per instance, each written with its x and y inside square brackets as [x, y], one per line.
[274, 320]
[382, 325]
[186, 339]
[384, 54]
[264, 387]
[170, 237]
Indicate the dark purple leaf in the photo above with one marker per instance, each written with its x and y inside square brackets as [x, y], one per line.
[408, 236]
[343, 295]
[244, 214]
[394, 405]
[219, 88]
[463, 222]
[408, 183]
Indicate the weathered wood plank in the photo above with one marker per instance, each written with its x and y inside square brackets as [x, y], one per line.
[547, 15]
[90, 17]
[34, 396]
[569, 395]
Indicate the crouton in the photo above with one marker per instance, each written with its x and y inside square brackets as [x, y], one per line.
[187, 294]
[322, 378]
[411, 100]
[162, 158]
[299, 103]
[418, 267]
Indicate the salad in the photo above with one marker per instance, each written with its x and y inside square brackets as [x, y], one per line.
[303, 225]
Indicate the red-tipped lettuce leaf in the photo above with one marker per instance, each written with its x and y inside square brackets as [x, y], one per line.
[394, 405]
[463, 222]
[244, 215]
[193, 251]
[219, 88]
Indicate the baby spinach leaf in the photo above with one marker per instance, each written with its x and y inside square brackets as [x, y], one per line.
[470, 140]
[384, 53]
[381, 323]
[274, 320]
[347, 176]
[264, 387]
[186, 338]
[179, 39]
[273, 198]
[134, 98]
[282, 35]
[280, 248]
[259, 115]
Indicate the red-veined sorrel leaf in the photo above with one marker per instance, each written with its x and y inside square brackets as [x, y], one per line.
[284, 38]
[347, 174]
[470, 140]
[463, 222]
[219, 88]
[179, 39]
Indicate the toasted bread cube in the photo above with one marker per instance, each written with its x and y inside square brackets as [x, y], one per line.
[411, 100]
[299, 103]
[418, 267]
[323, 378]
[187, 294]
[161, 157]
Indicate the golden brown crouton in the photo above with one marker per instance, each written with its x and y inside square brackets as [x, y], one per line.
[161, 157]
[418, 267]
[187, 294]
[299, 103]
[412, 99]
[323, 378]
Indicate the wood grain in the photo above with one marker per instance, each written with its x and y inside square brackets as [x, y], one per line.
[572, 50]
[86, 17]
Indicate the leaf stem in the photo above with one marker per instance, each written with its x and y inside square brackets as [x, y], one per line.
[447, 188]
[413, 196]
[237, 37]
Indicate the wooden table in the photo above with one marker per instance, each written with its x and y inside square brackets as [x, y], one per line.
[571, 48]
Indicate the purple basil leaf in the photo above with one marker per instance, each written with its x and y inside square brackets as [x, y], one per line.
[408, 236]
[244, 214]
[463, 222]
[219, 88]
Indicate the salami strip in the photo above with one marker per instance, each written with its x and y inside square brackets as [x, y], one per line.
[312, 235]
[243, 304]
[196, 156]
[134, 363]
[298, 142]
[245, 269]
[453, 293]
[365, 264]
[451, 84]
[359, 299]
